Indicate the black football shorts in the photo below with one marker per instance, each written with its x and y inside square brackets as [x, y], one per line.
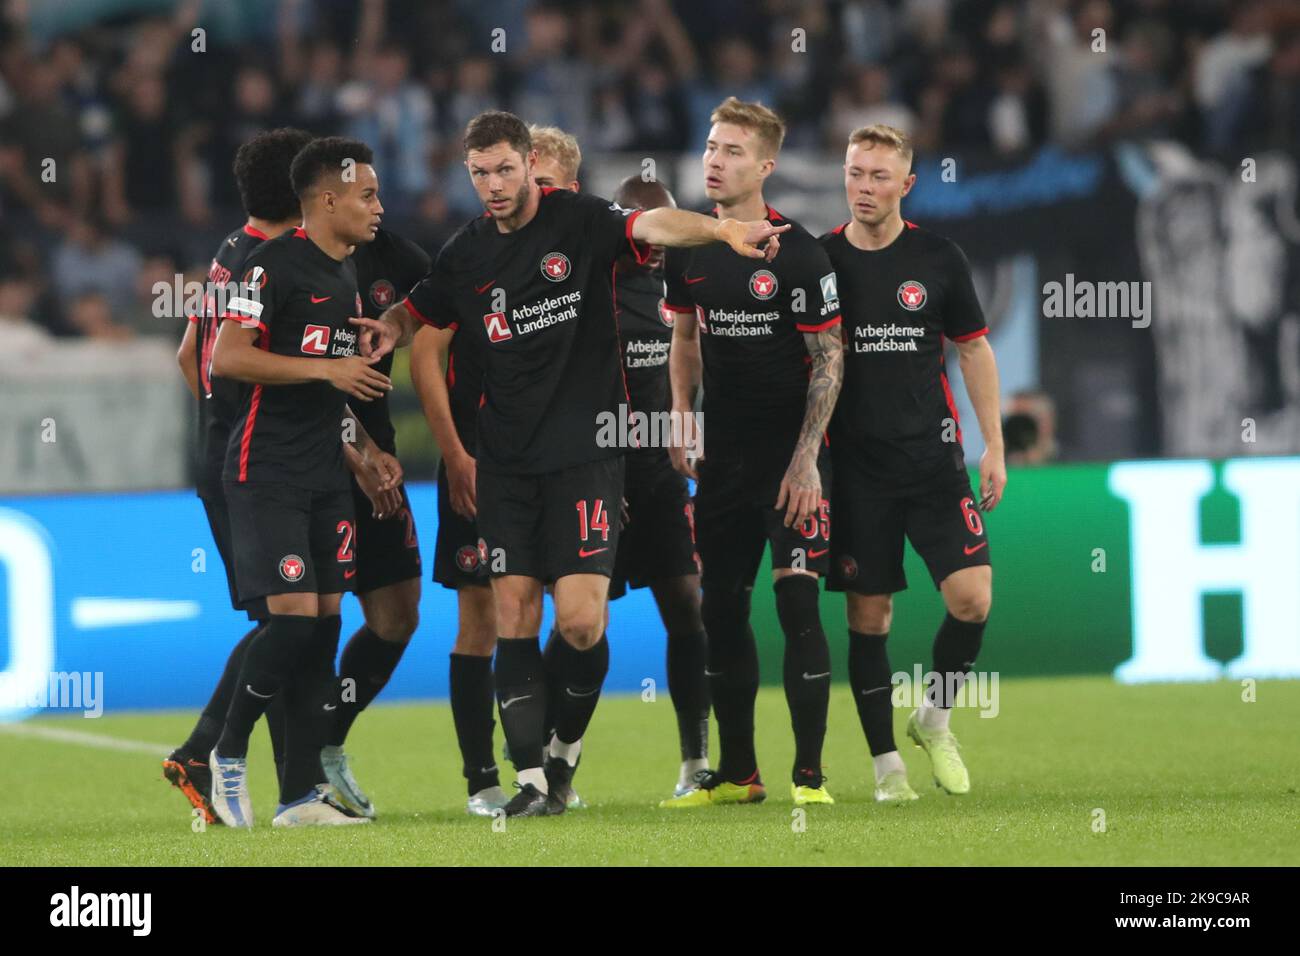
[289, 540]
[457, 560]
[736, 514]
[658, 541]
[388, 551]
[940, 516]
[552, 525]
[214, 505]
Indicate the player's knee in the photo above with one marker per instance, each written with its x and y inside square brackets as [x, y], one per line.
[582, 625]
[679, 605]
[725, 612]
[970, 604]
[870, 613]
[797, 597]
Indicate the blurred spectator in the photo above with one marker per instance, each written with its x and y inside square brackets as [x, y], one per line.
[17, 297]
[863, 100]
[735, 72]
[553, 86]
[253, 108]
[1075, 59]
[1029, 428]
[90, 315]
[1018, 113]
[1267, 113]
[394, 115]
[1223, 67]
[89, 260]
[41, 161]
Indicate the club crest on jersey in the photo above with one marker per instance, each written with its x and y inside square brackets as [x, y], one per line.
[292, 568]
[762, 284]
[316, 339]
[498, 329]
[911, 295]
[555, 266]
[848, 567]
[382, 293]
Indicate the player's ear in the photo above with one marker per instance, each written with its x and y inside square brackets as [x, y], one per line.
[907, 184]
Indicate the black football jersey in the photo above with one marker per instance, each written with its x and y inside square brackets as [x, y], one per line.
[537, 305]
[752, 317]
[304, 298]
[219, 398]
[387, 267]
[645, 327]
[900, 303]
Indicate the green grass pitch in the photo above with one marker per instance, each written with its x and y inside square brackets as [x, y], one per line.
[1184, 775]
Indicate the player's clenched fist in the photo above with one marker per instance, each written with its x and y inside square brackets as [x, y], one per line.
[355, 376]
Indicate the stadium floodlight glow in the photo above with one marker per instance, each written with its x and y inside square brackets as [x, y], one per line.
[30, 603]
[1172, 569]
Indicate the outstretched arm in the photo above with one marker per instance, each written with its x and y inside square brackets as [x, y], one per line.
[680, 228]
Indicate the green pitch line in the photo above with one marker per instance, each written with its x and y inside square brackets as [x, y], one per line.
[1179, 774]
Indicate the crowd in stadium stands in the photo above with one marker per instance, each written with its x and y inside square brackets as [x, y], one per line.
[117, 135]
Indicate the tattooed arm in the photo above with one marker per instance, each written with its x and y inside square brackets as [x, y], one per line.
[801, 488]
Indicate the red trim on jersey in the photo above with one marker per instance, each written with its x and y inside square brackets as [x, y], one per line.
[677, 308]
[263, 342]
[253, 231]
[909, 225]
[971, 335]
[299, 232]
[772, 213]
[415, 313]
[547, 190]
[641, 258]
[839, 229]
[451, 370]
[242, 320]
[833, 321]
[952, 405]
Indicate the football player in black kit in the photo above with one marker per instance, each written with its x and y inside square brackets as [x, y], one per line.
[769, 345]
[657, 549]
[531, 282]
[896, 443]
[386, 559]
[262, 174]
[291, 337]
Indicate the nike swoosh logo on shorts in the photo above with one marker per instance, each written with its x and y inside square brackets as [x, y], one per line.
[331, 706]
[709, 673]
[693, 281]
[515, 700]
[584, 553]
[317, 300]
[969, 550]
[817, 554]
[249, 688]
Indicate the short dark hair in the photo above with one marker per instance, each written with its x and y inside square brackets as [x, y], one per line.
[495, 126]
[262, 172]
[325, 157]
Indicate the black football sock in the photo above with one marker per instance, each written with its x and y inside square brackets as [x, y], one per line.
[688, 655]
[870, 677]
[551, 656]
[205, 733]
[471, 712]
[368, 662]
[806, 672]
[268, 662]
[520, 681]
[277, 724]
[733, 679]
[581, 675]
[311, 698]
[956, 645]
